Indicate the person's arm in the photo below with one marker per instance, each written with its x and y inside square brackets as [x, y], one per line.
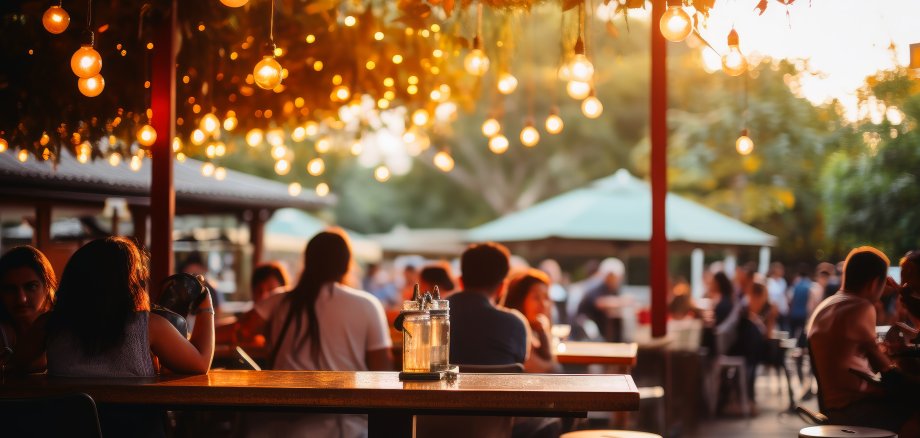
[179, 354]
[542, 358]
[379, 349]
[29, 354]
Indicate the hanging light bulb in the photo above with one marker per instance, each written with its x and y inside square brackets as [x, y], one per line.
[209, 123]
[420, 117]
[115, 159]
[294, 188]
[275, 137]
[476, 62]
[340, 93]
[507, 83]
[356, 148]
[323, 145]
[579, 67]
[86, 61]
[56, 19]
[578, 90]
[234, 3]
[554, 123]
[744, 145]
[529, 135]
[146, 136]
[267, 73]
[231, 121]
[282, 167]
[498, 144]
[91, 87]
[443, 161]
[311, 128]
[592, 107]
[733, 61]
[316, 166]
[382, 174]
[254, 137]
[135, 163]
[176, 144]
[23, 155]
[207, 169]
[198, 137]
[675, 23]
[220, 173]
[322, 189]
[491, 127]
[4, 145]
[279, 151]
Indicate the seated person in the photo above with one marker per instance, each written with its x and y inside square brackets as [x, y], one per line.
[101, 326]
[27, 284]
[841, 334]
[528, 293]
[437, 274]
[481, 333]
[611, 271]
[267, 279]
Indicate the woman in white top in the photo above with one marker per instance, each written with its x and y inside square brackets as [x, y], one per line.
[321, 324]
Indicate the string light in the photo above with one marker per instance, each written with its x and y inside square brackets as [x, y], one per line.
[198, 137]
[176, 144]
[4, 145]
[234, 3]
[220, 173]
[230, 122]
[356, 148]
[275, 137]
[254, 137]
[135, 163]
[744, 145]
[323, 145]
[86, 61]
[91, 87]
[340, 93]
[207, 169]
[146, 136]
[210, 124]
[316, 166]
[23, 155]
[267, 73]
[491, 127]
[115, 159]
[476, 62]
[282, 167]
[420, 117]
[443, 161]
[322, 189]
[381, 173]
[592, 107]
[299, 134]
[507, 83]
[554, 123]
[529, 135]
[579, 67]
[279, 152]
[498, 144]
[675, 23]
[578, 90]
[294, 188]
[733, 62]
[56, 19]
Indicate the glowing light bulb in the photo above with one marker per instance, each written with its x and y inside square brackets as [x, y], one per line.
[322, 189]
[530, 136]
[23, 155]
[176, 144]
[234, 3]
[316, 166]
[180, 157]
[498, 144]
[340, 93]
[443, 161]
[220, 149]
[146, 136]
[507, 83]
[294, 188]
[115, 159]
[311, 128]
[580, 68]
[382, 173]
[733, 61]
[135, 163]
[254, 137]
[267, 73]
[554, 124]
[491, 127]
[220, 173]
[592, 107]
[744, 145]
[275, 137]
[91, 87]
[578, 90]
[56, 20]
[279, 152]
[420, 117]
[356, 148]
[675, 23]
[4, 145]
[230, 123]
[323, 145]
[476, 62]
[209, 123]
[207, 169]
[84, 152]
[282, 167]
[86, 62]
[198, 137]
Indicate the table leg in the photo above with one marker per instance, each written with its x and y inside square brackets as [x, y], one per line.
[397, 424]
[620, 418]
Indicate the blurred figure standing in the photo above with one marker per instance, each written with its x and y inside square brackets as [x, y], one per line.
[776, 291]
[608, 321]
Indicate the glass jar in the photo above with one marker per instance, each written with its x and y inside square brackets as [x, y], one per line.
[440, 335]
[416, 328]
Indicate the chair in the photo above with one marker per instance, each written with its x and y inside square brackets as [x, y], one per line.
[725, 336]
[446, 426]
[73, 415]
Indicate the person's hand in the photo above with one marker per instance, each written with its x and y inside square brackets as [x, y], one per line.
[541, 324]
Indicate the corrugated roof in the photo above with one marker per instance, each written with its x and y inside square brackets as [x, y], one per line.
[618, 208]
[98, 179]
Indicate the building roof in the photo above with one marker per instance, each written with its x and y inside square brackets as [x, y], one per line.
[290, 229]
[74, 182]
[618, 208]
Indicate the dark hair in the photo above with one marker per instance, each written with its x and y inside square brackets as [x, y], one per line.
[484, 266]
[520, 285]
[269, 270]
[863, 266]
[910, 267]
[103, 285]
[28, 257]
[724, 284]
[327, 258]
[193, 259]
[439, 275]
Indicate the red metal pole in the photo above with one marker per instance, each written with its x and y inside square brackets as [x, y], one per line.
[659, 169]
[163, 104]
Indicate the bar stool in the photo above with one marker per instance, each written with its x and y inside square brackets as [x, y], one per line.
[608, 434]
[845, 432]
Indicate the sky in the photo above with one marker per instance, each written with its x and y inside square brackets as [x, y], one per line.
[844, 41]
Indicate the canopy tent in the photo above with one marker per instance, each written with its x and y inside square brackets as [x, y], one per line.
[616, 210]
[289, 230]
[429, 242]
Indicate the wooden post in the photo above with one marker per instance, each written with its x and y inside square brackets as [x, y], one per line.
[257, 234]
[139, 215]
[41, 237]
[163, 104]
[659, 168]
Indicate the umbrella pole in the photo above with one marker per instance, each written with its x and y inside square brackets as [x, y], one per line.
[659, 137]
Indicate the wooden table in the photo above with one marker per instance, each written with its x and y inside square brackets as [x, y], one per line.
[603, 353]
[389, 402]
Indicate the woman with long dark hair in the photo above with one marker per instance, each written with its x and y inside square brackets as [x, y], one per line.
[27, 285]
[528, 293]
[321, 324]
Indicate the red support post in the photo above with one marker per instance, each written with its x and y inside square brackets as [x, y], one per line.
[163, 104]
[659, 177]
[41, 236]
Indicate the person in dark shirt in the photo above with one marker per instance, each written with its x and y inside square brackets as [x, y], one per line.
[481, 333]
[608, 321]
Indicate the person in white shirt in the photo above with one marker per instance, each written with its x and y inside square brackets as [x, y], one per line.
[776, 291]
